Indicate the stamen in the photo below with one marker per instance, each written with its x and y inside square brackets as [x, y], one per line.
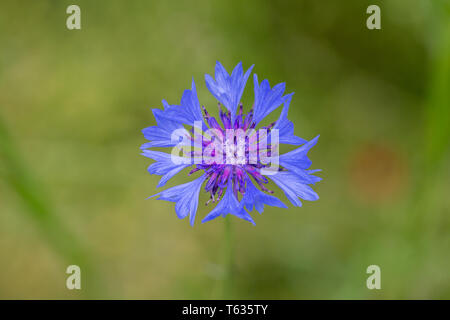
[270, 126]
[219, 194]
[209, 200]
[238, 122]
[214, 124]
[255, 173]
[224, 176]
[263, 187]
[193, 170]
[209, 185]
[248, 120]
[206, 113]
[226, 120]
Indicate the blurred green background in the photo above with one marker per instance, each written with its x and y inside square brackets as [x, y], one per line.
[73, 185]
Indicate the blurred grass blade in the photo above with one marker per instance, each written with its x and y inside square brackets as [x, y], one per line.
[437, 127]
[438, 106]
[19, 179]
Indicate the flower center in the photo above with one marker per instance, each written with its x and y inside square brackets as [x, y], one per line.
[234, 151]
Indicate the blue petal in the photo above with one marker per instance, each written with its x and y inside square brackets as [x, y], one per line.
[228, 89]
[286, 127]
[266, 99]
[189, 109]
[166, 165]
[229, 204]
[185, 196]
[254, 196]
[161, 134]
[294, 187]
[297, 162]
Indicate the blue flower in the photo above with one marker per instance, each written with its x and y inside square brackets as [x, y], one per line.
[237, 157]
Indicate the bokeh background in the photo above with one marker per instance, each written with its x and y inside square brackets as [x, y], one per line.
[73, 185]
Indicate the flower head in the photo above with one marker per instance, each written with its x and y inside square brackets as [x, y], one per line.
[235, 154]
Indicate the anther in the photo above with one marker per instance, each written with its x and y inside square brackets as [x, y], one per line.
[206, 112]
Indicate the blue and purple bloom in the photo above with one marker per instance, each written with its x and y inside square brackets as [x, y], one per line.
[235, 168]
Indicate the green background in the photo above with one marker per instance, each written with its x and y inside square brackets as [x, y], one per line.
[73, 185]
